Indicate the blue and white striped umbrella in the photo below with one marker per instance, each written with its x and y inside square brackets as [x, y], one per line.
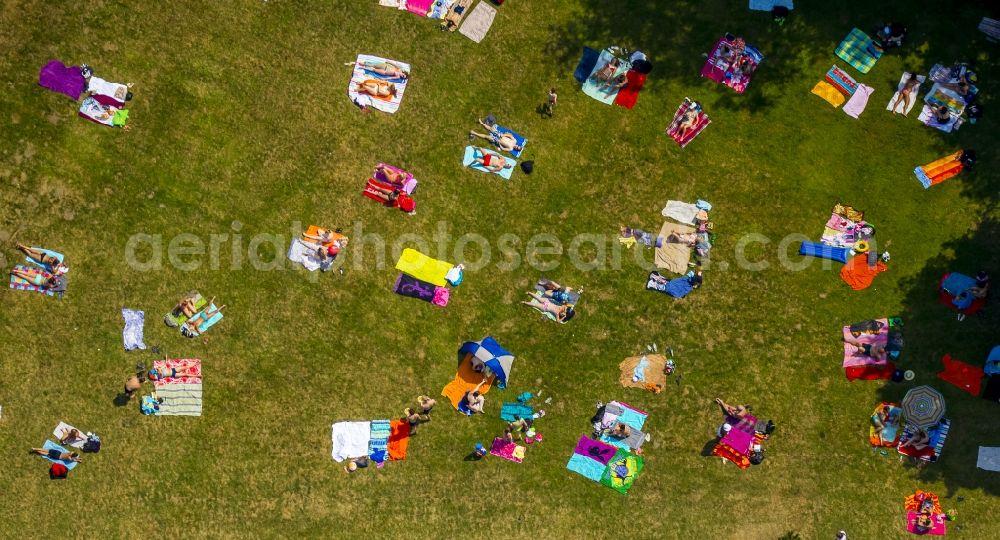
[493, 356]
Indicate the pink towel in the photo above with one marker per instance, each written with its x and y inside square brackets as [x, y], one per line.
[856, 105]
[937, 530]
[441, 296]
[419, 7]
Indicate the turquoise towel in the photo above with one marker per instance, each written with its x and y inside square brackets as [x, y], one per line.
[509, 411]
[633, 418]
[49, 445]
[586, 467]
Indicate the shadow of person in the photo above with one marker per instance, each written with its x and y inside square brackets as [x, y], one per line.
[709, 446]
[120, 400]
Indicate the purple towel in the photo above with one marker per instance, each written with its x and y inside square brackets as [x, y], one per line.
[596, 450]
[415, 288]
[66, 80]
[859, 100]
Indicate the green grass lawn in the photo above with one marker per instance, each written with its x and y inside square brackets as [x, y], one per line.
[241, 126]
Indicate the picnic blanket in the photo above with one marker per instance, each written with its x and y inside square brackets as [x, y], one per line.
[671, 256]
[858, 274]
[870, 372]
[473, 152]
[938, 528]
[203, 324]
[913, 93]
[378, 440]
[939, 170]
[399, 439]
[628, 95]
[829, 93]
[965, 376]
[586, 65]
[177, 320]
[590, 458]
[478, 23]
[49, 445]
[421, 290]
[300, 251]
[108, 115]
[725, 71]
[842, 231]
[22, 284]
[928, 118]
[406, 185]
[422, 267]
[507, 450]
[643, 371]
[360, 75]
[182, 396]
[859, 100]
[940, 96]
[75, 443]
[615, 412]
[989, 458]
[622, 471]
[883, 332]
[605, 93]
[132, 334]
[349, 440]
[673, 130]
[510, 412]
[859, 50]
[768, 5]
[466, 379]
[58, 77]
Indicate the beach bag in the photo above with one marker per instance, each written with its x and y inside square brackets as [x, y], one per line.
[58, 471]
[757, 457]
[968, 158]
[92, 445]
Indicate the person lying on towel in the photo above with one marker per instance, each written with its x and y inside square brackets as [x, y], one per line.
[45, 280]
[391, 175]
[607, 72]
[191, 326]
[56, 455]
[871, 350]
[98, 86]
[904, 93]
[491, 161]
[620, 431]
[503, 141]
[884, 417]
[394, 198]
[43, 258]
[562, 313]
[378, 89]
[157, 374]
[384, 68]
[557, 292]
[187, 307]
[689, 120]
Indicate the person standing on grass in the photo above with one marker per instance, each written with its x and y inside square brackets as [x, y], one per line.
[550, 104]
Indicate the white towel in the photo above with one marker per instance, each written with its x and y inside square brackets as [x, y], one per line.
[680, 211]
[179, 399]
[100, 86]
[478, 23]
[301, 253]
[350, 440]
[989, 458]
[58, 432]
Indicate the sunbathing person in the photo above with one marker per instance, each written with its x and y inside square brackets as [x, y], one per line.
[688, 239]
[384, 68]
[688, 121]
[391, 176]
[390, 195]
[71, 435]
[473, 400]
[918, 441]
[187, 306]
[490, 161]
[739, 411]
[503, 141]
[615, 83]
[904, 93]
[43, 258]
[558, 293]
[620, 431]
[378, 89]
[881, 419]
[871, 350]
[45, 280]
[56, 455]
[607, 71]
[323, 236]
[562, 313]
[157, 374]
[354, 464]
[191, 326]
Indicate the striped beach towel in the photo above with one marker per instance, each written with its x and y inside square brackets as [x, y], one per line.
[378, 444]
[841, 81]
[182, 396]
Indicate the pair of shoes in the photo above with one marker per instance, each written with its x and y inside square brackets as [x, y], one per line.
[961, 316]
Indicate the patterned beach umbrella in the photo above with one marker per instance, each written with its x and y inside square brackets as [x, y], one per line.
[923, 406]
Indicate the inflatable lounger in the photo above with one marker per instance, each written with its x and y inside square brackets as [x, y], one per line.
[812, 249]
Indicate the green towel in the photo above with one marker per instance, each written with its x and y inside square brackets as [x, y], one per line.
[199, 302]
[121, 116]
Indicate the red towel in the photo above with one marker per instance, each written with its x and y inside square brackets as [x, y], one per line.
[870, 372]
[965, 376]
[628, 95]
[399, 439]
[858, 274]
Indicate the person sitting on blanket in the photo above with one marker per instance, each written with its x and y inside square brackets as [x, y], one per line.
[616, 83]
[558, 293]
[982, 287]
[871, 350]
[71, 435]
[924, 522]
[385, 68]
[191, 326]
[503, 141]
[379, 89]
[490, 161]
[607, 71]
[739, 411]
[918, 441]
[620, 431]
[562, 313]
[354, 464]
[45, 280]
[41, 257]
[904, 93]
[941, 114]
[881, 419]
[56, 455]
[473, 400]
[689, 120]
[186, 306]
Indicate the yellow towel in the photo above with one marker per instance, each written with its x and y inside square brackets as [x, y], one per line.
[422, 267]
[828, 92]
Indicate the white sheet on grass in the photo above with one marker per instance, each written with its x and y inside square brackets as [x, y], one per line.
[989, 458]
[681, 212]
[350, 439]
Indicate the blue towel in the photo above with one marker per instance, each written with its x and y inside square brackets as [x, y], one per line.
[48, 268]
[586, 467]
[517, 137]
[587, 62]
[132, 334]
[510, 411]
[957, 283]
[639, 373]
[679, 287]
[633, 418]
[49, 445]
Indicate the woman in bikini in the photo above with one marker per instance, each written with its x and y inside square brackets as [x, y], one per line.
[191, 326]
[607, 71]
[377, 89]
[390, 175]
[490, 161]
[503, 141]
[45, 280]
[562, 313]
[187, 306]
[156, 374]
[43, 258]
[385, 68]
[904, 94]
[688, 120]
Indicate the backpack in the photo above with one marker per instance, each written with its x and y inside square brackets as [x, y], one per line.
[968, 158]
[58, 471]
[92, 445]
[757, 457]
[766, 428]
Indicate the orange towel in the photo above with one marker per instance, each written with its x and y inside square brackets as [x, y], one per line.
[399, 439]
[313, 230]
[465, 380]
[858, 274]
